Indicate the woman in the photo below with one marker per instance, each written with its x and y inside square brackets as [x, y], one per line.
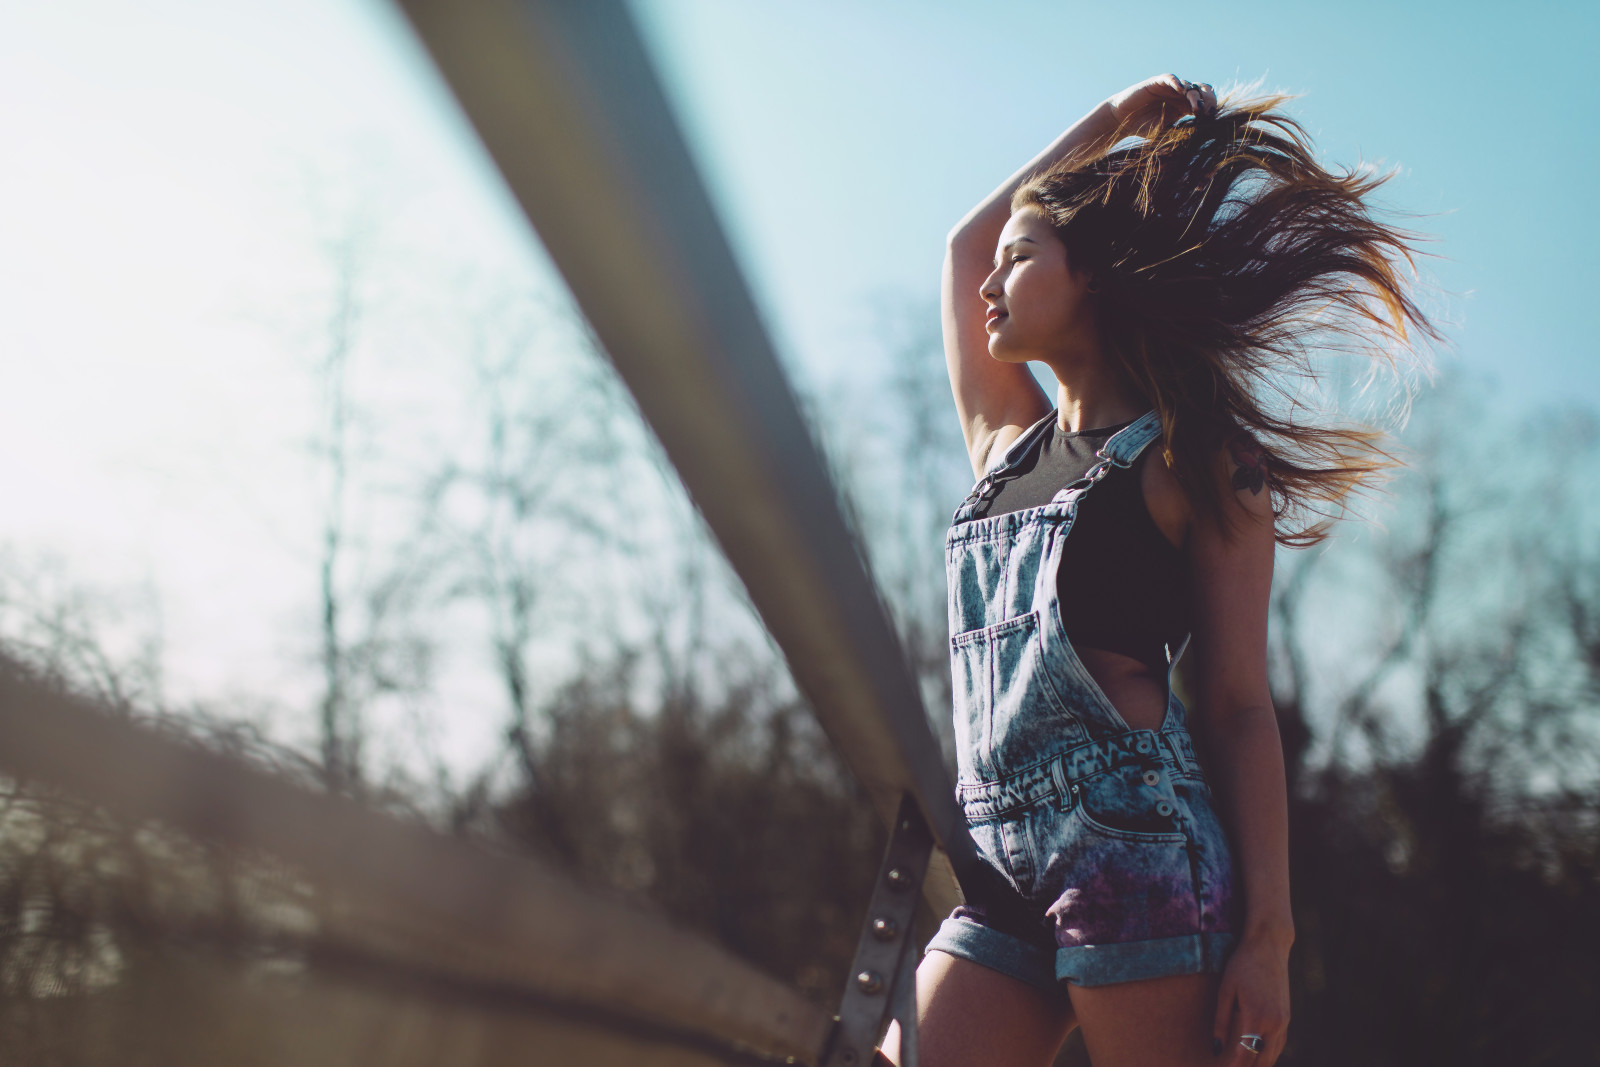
[1176, 285]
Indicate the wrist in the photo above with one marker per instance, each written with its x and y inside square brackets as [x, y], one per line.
[1275, 932]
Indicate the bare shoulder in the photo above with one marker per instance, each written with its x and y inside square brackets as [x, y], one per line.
[1241, 468]
[1244, 469]
[1243, 530]
[1164, 497]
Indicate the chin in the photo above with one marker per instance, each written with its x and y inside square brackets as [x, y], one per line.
[1005, 353]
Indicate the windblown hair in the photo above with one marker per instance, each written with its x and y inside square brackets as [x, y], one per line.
[1225, 263]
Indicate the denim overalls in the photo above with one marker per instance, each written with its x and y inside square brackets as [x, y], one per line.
[1107, 832]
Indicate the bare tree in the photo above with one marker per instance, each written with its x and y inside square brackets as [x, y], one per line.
[1444, 865]
[524, 522]
[894, 446]
[339, 733]
[369, 588]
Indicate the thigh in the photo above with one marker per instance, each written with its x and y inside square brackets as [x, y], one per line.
[1158, 1022]
[968, 1014]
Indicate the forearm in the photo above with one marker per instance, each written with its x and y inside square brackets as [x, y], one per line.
[982, 225]
[991, 395]
[1247, 761]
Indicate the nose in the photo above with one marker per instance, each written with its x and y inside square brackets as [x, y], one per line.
[991, 288]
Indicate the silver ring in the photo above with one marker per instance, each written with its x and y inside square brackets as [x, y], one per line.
[1251, 1043]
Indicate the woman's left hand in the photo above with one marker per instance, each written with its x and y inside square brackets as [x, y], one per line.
[1161, 99]
[1253, 999]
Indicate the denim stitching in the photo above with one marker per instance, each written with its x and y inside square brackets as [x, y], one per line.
[1027, 788]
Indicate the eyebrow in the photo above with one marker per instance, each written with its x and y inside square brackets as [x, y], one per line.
[1015, 241]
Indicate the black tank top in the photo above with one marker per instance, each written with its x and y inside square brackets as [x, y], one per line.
[1123, 586]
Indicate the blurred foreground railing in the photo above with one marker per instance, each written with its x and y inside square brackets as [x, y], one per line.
[564, 98]
[408, 930]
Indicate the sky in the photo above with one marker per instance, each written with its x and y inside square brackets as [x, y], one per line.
[175, 172]
[844, 140]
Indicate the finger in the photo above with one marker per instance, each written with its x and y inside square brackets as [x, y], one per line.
[1250, 1023]
[1221, 1023]
[1233, 1053]
[1275, 1043]
[1236, 1055]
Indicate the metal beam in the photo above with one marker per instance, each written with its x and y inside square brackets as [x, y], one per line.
[564, 98]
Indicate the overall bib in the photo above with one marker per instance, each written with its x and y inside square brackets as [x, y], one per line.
[1106, 832]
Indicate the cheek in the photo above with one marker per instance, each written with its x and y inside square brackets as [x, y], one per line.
[1045, 304]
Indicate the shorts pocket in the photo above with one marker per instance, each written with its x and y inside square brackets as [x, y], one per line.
[991, 846]
[1154, 836]
[1112, 886]
[1002, 842]
[1128, 805]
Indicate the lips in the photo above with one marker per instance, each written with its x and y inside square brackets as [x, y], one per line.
[994, 316]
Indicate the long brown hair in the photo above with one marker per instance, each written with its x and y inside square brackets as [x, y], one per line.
[1225, 263]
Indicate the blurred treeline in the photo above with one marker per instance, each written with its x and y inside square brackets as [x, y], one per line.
[1435, 675]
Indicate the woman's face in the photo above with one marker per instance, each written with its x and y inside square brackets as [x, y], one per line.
[1039, 307]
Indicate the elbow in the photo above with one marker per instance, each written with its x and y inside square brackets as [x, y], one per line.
[967, 260]
[961, 243]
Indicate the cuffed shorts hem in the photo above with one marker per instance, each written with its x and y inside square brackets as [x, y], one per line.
[1087, 965]
[1132, 961]
[998, 951]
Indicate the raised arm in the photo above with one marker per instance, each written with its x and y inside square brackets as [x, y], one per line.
[996, 401]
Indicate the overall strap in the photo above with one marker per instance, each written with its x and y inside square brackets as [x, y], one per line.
[989, 484]
[1126, 444]
[1025, 439]
[1121, 450]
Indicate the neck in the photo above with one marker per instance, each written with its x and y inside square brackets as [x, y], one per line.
[1094, 396]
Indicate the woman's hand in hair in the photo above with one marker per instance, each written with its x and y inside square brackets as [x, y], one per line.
[1157, 101]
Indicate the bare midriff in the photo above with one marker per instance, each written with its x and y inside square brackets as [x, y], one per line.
[1138, 694]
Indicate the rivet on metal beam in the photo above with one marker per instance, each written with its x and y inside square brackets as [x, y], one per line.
[898, 878]
[885, 929]
[869, 982]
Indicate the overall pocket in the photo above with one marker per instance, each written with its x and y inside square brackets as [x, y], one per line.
[1007, 709]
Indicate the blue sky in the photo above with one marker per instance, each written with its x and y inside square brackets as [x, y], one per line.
[843, 139]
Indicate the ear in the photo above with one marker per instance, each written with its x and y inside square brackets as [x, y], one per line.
[1085, 276]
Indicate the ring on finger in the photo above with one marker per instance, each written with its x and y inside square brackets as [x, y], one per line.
[1252, 1043]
